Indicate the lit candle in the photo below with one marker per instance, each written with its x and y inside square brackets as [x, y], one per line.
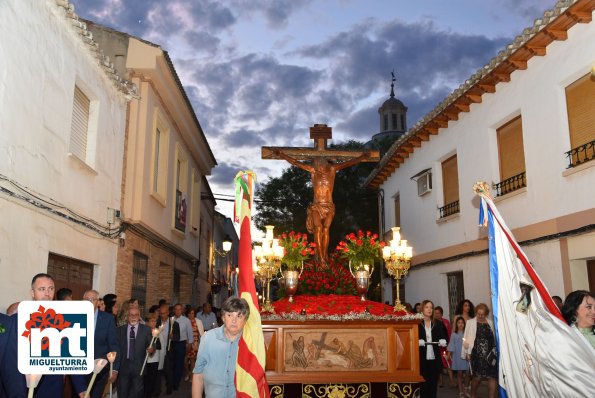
[269, 232]
[111, 357]
[386, 252]
[99, 365]
[396, 234]
[32, 381]
[155, 333]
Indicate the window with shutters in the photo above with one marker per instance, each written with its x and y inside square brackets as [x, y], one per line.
[397, 210]
[195, 205]
[181, 190]
[79, 129]
[511, 156]
[159, 159]
[580, 103]
[139, 279]
[450, 187]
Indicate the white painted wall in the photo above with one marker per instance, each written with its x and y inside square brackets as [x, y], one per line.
[42, 58]
[538, 94]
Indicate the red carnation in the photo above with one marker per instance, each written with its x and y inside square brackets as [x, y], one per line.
[382, 244]
[294, 245]
[368, 233]
[359, 242]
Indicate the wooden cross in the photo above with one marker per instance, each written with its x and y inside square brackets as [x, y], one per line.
[320, 345]
[320, 133]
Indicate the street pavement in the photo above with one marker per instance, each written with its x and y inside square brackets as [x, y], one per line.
[185, 390]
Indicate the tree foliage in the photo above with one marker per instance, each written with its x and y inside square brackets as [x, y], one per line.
[283, 201]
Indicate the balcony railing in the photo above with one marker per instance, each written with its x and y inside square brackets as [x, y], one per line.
[581, 154]
[449, 209]
[511, 184]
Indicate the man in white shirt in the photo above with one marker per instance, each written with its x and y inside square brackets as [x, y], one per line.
[183, 345]
[207, 317]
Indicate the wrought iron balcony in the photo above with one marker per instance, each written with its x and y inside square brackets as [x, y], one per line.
[511, 184]
[581, 154]
[449, 209]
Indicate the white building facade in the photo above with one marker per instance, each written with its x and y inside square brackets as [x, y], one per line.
[61, 147]
[511, 124]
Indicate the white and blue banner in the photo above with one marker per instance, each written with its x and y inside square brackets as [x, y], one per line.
[539, 354]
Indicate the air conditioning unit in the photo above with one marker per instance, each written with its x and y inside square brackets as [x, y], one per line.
[424, 183]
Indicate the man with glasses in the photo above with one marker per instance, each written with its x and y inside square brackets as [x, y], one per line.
[135, 340]
[105, 341]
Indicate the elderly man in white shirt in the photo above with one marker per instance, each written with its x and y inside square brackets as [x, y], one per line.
[183, 345]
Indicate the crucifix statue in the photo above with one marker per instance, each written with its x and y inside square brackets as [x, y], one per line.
[322, 163]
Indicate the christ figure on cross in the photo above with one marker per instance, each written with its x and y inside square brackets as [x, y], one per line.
[323, 165]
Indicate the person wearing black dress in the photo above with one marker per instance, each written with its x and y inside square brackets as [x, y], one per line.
[432, 335]
[479, 344]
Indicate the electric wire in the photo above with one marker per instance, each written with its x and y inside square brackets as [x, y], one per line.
[25, 194]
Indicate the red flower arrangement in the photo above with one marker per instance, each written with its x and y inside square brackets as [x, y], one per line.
[361, 248]
[331, 306]
[297, 249]
[334, 279]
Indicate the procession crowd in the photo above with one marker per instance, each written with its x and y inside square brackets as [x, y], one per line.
[167, 338]
[165, 344]
[467, 347]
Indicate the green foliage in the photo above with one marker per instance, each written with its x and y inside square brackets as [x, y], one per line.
[283, 201]
[297, 249]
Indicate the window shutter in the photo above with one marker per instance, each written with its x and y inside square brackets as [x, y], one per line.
[80, 124]
[450, 180]
[580, 102]
[510, 149]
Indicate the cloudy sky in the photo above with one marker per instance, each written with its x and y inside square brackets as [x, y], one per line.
[261, 72]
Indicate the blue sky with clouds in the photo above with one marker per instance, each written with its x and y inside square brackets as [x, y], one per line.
[260, 72]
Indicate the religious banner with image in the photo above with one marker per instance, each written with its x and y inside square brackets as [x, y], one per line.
[335, 350]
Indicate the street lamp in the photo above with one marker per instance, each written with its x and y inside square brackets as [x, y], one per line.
[226, 246]
[397, 260]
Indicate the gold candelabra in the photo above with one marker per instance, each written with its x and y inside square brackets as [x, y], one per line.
[268, 258]
[397, 259]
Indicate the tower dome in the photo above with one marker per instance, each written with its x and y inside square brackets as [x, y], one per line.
[392, 115]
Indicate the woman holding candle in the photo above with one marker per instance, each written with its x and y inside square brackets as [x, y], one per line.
[431, 336]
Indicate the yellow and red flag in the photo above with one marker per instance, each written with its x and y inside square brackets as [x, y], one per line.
[250, 374]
